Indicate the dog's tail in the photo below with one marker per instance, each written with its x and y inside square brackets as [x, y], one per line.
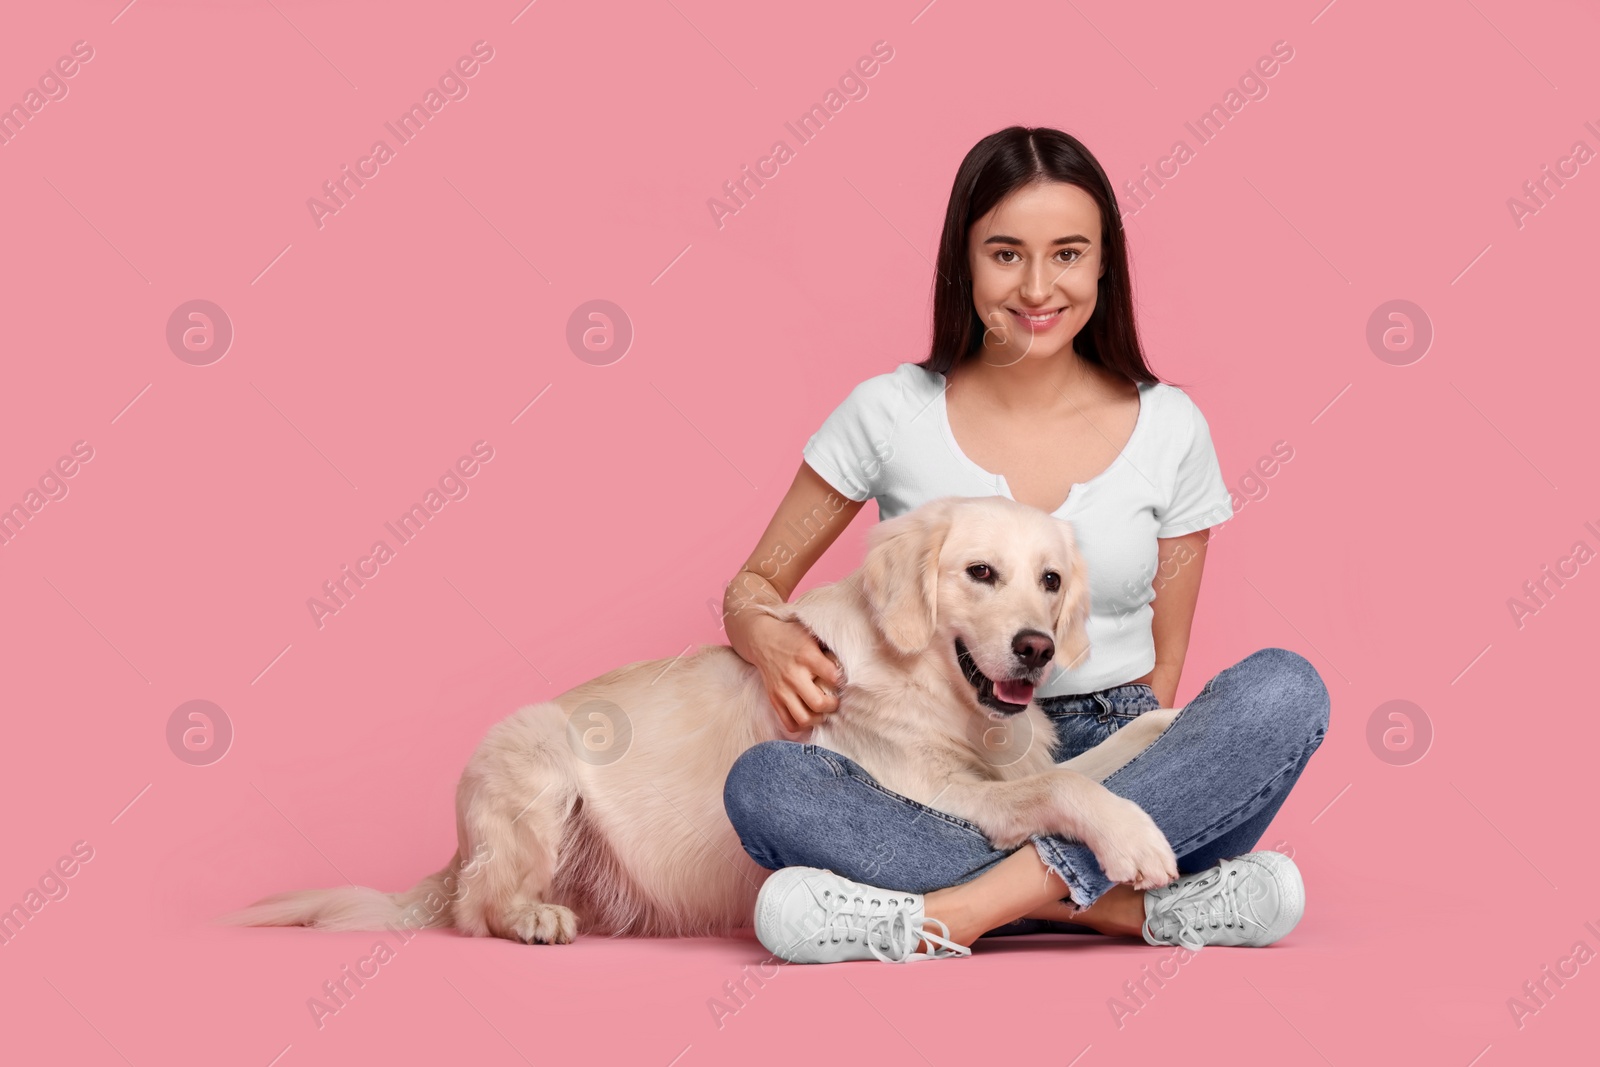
[429, 903]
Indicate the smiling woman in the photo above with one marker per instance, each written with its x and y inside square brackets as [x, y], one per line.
[1035, 388]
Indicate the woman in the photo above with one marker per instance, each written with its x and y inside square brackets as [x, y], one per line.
[1036, 388]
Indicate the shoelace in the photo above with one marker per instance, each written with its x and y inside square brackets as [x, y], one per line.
[886, 928]
[1209, 901]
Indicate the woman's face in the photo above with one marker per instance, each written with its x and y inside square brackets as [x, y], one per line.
[1036, 266]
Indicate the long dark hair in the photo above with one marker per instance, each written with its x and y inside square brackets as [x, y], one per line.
[998, 165]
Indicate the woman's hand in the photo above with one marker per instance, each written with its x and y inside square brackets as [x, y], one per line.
[802, 682]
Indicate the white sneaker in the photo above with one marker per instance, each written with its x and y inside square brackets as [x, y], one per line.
[808, 915]
[1251, 901]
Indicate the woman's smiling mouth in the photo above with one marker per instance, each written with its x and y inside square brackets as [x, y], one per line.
[1042, 319]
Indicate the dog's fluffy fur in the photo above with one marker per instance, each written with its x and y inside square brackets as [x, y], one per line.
[602, 810]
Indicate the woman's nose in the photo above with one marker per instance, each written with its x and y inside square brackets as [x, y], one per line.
[1036, 283]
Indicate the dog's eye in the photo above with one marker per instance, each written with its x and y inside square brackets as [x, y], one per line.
[1052, 581]
[980, 572]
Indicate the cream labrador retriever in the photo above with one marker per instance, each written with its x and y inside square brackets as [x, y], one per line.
[602, 809]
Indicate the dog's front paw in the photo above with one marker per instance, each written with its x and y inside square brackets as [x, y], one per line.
[1130, 847]
[545, 924]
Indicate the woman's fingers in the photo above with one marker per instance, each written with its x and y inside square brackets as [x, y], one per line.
[808, 689]
[805, 701]
[824, 677]
[821, 695]
[780, 704]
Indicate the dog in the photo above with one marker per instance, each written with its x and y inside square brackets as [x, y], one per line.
[602, 809]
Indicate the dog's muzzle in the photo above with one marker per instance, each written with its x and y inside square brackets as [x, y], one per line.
[1007, 695]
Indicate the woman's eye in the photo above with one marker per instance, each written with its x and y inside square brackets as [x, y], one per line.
[980, 572]
[1076, 254]
[1004, 252]
[1052, 581]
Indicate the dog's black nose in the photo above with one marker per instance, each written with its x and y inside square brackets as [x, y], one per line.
[1033, 647]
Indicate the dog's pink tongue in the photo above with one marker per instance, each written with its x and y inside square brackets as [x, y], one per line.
[1013, 692]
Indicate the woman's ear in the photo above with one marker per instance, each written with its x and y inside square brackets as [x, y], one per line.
[900, 577]
[1072, 613]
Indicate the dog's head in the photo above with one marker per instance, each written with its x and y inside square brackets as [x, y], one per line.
[992, 587]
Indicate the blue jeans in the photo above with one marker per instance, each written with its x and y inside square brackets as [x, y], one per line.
[1212, 782]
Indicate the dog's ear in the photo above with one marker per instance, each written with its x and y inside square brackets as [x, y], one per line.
[1072, 613]
[900, 577]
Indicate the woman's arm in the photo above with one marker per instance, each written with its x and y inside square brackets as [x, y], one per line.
[1181, 560]
[810, 517]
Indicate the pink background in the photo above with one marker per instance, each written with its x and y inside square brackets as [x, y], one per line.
[428, 313]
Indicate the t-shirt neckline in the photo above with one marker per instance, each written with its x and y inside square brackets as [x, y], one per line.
[999, 480]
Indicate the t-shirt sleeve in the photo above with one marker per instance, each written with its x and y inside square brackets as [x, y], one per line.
[1199, 495]
[848, 448]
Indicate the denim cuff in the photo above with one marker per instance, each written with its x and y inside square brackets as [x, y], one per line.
[1083, 891]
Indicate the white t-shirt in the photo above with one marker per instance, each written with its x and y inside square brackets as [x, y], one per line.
[891, 440]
